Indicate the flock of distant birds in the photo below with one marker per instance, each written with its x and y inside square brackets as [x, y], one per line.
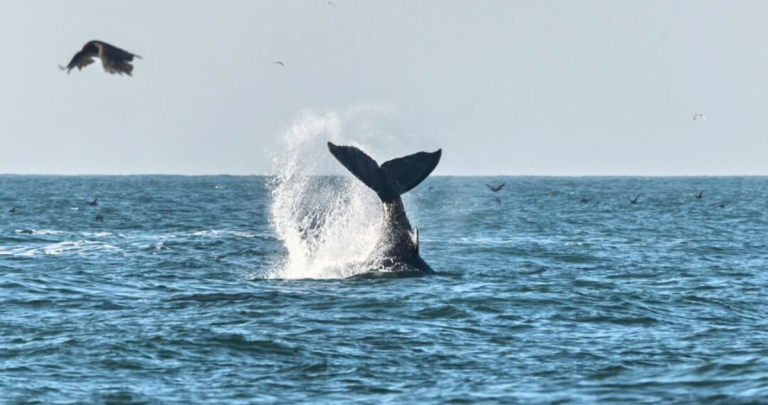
[498, 188]
[495, 189]
[95, 202]
[116, 60]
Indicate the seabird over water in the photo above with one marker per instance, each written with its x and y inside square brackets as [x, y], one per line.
[495, 189]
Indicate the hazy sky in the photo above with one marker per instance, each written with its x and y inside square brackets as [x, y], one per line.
[504, 87]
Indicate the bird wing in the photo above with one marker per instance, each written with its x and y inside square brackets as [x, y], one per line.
[81, 59]
[501, 186]
[114, 53]
[114, 59]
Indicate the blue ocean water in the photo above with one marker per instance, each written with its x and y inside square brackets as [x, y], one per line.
[228, 290]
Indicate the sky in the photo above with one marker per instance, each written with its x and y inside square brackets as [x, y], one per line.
[549, 87]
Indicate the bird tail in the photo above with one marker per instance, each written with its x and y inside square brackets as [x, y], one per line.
[392, 178]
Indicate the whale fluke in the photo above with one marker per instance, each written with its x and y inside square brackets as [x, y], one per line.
[397, 250]
[393, 177]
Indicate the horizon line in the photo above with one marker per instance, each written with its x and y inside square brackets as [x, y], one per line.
[437, 175]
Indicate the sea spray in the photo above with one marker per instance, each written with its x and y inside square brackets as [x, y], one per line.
[327, 222]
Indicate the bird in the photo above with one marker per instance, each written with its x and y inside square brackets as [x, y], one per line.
[635, 200]
[278, 63]
[699, 116]
[721, 205]
[700, 195]
[585, 200]
[495, 189]
[113, 59]
[12, 209]
[498, 200]
[95, 202]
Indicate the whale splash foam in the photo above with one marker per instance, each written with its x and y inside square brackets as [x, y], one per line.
[328, 223]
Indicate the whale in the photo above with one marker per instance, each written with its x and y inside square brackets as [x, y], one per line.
[396, 251]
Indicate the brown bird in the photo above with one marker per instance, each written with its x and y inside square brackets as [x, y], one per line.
[114, 59]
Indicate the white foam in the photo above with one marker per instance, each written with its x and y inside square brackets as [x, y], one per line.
[81, 247]
[39, 232]
[327, 224]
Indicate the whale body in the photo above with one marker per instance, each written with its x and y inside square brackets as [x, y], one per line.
[397, 248]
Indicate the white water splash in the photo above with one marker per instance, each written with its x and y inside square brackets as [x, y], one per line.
[328, 224]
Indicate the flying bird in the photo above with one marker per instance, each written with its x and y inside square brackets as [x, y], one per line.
[699, 116]
[495, 189]
[635, 200]
[278, 63]
[113, 59]
[700, 195]
[95, 202]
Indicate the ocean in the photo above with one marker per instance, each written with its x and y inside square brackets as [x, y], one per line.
[237, 290]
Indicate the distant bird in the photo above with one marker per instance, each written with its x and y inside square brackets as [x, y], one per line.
[12, 209]
[278, 63]
[496, 189]
[99, 218]
[700, 195]
[635, 200]
[95, 202]
[585, 200]
[498, 200]
[721, 205]
[430, 189]
[330, 3]
[113, 59]
[699, 116]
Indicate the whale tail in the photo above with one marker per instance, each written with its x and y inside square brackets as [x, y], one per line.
[391, 179]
